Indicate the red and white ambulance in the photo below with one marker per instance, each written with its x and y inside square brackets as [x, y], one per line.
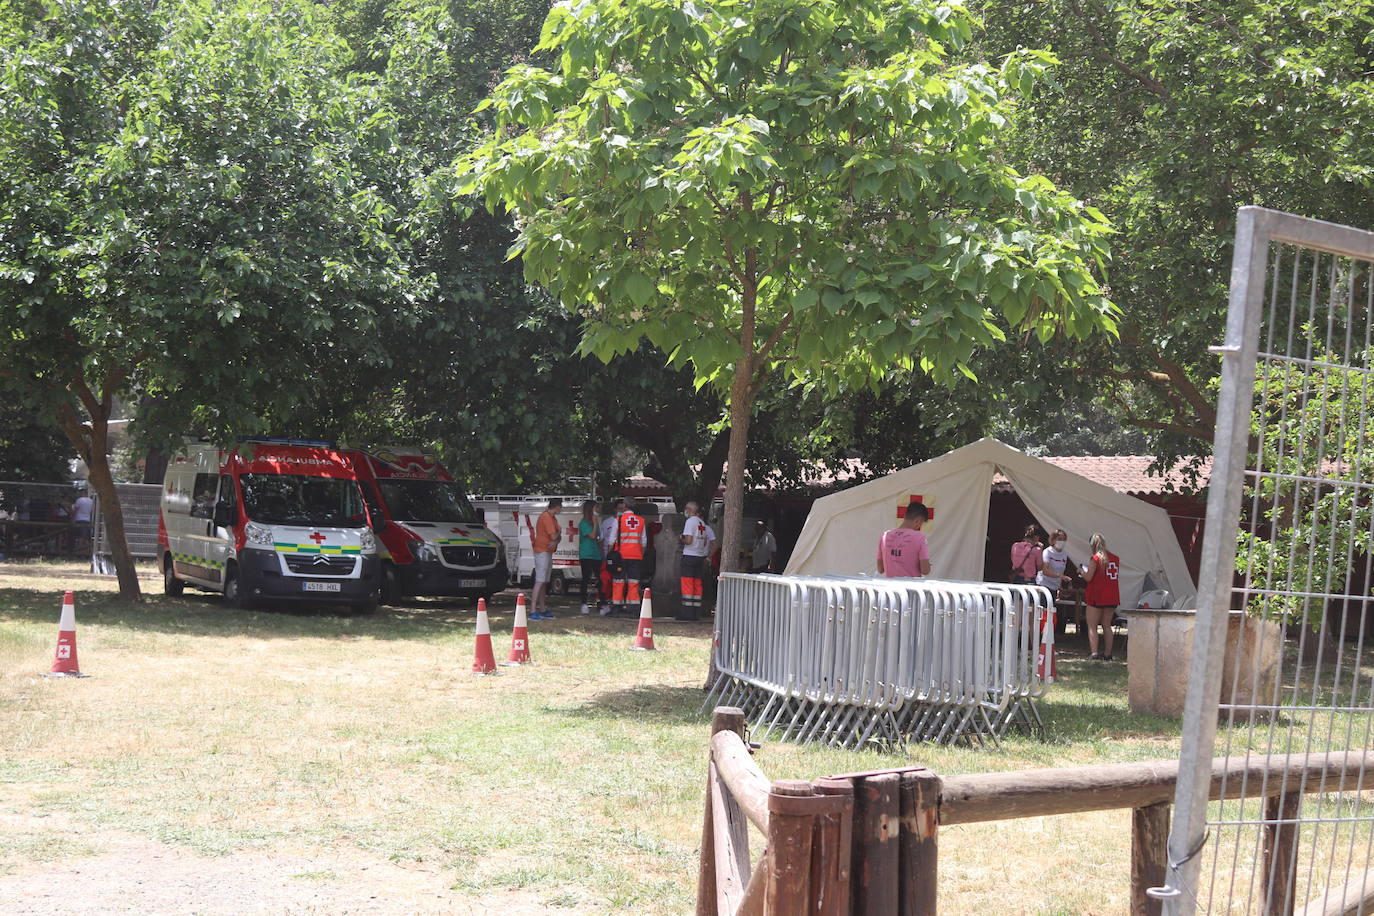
[269, 520]
[433, 541]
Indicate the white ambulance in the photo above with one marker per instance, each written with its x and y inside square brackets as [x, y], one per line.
[269, 520]
[433, 541]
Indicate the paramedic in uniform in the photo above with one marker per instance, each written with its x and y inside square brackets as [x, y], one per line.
[697, 539]
[1102, 596]
[903, 551]
[631, 536]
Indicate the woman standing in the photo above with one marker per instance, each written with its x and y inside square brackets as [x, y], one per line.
[1025, 557]
[1053, 560]
[589, 552]
[1103, 594]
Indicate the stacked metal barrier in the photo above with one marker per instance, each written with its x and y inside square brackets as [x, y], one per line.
[847, 661]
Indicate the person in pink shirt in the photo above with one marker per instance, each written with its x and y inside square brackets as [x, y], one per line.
[903, 551]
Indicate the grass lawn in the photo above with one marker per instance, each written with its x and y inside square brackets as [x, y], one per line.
[352, 764]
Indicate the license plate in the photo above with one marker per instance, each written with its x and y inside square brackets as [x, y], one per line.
[471, 583]
[320, 586]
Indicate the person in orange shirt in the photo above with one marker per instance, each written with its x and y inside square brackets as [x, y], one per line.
[546, 537]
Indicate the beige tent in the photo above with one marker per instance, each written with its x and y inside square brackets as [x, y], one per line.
[841, 533]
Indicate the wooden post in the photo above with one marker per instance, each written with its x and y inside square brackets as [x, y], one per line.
[1280, 852]
[789, 848]
[1149, 839]
[831, 849]
[877, 817]
[725, 718]
[920, 843]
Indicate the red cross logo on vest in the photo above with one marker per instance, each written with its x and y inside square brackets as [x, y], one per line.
[318, 538]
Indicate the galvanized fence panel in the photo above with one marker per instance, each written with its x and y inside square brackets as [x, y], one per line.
[1279, 662]
[849, 661]
[141, 505]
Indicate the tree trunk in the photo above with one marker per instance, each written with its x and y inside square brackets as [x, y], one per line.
[113, 514]
[92, 444]
[741, 405]
[712, 466]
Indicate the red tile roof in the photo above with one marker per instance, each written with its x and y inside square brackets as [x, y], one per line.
[1128, 473]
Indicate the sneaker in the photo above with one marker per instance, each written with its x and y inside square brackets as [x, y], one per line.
[586, 610]
[1108, 658]
[541, 615]
[1096, 657]
[604, 610]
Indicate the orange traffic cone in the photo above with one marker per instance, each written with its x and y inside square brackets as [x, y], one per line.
[64, 664]
[520, 635]
[644, 634]
[483, 660]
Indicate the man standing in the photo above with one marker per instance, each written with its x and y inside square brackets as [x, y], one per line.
[761, 558]
[545, 542]
[610, 565]
[631, 537]
[697, 539]
[81, 516]
[903, 551]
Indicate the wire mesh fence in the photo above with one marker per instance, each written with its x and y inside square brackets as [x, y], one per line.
[1286, 580]
[141, 505]
[38, 520]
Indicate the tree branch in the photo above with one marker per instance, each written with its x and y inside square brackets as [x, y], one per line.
[1103, 53]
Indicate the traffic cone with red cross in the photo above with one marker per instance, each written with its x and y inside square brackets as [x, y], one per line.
[520, 635]
[64, 663]
[644, 632]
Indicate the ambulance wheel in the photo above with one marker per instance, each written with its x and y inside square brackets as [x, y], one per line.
[365, 607]
[171, 585]
[558, 585]
[391, 589]
[233, 598]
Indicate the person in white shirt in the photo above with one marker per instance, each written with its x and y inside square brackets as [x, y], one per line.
[82, 508]
[761, 558]
[697, 539]
[1053, 560]
[609, 529]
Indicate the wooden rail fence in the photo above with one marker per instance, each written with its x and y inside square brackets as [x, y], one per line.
[867, 844]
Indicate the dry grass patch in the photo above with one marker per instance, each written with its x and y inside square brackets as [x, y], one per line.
[329, 742]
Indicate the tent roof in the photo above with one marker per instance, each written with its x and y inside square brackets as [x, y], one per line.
[842, 529]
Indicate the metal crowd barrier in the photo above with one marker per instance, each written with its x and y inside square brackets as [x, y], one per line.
[846, 661]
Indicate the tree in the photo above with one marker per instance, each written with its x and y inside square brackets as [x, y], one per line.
[783, 187]
[193, 210]
[31, 450]
[1169, 116]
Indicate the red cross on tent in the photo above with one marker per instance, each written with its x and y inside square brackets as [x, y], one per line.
[458, 531]
[318, 538]
[914, 498]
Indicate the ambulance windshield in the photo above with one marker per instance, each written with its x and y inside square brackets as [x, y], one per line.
[428, 501]
[297, 499]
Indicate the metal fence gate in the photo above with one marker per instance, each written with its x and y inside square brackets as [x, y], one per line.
[141, 503]
[1281, 659]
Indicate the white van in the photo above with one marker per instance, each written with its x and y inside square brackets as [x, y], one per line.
[272, 519]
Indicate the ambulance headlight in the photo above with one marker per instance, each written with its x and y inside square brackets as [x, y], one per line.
[257, 534]
[368, 539]
[427, 553]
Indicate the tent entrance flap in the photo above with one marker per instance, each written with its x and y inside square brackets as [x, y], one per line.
[841, 533]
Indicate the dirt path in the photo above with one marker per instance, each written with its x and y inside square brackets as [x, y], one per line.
[114, 872]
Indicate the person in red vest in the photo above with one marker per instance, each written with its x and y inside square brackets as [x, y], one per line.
[631, 539]
[1102, 596]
